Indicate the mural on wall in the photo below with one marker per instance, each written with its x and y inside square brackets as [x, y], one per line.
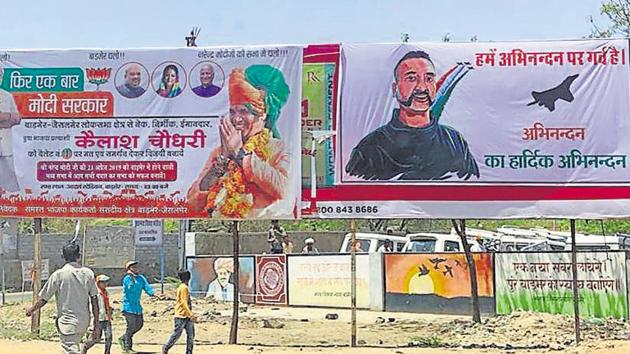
[214, 277]
[436, 283]
[543, 282]
[271, 280]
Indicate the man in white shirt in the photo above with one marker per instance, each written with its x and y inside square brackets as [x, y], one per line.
[478, 245]
[9, 117]
[74, 289]
[221, 288]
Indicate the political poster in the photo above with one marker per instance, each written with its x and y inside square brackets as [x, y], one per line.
[482, 130]
[543, 282]
[151, 133]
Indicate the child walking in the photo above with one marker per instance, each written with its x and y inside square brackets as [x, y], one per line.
[104, 315]
[184, 317]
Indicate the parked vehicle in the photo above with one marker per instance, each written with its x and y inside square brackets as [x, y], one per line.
[517, 239]
[433, 242]
[598, 243]
[372, 242]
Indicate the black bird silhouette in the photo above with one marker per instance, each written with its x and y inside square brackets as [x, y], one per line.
[549, 97]
[458, 263]
[436, 262]
[449, 270]
[423, 270]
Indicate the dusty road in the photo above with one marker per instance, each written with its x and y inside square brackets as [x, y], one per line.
[265, 329]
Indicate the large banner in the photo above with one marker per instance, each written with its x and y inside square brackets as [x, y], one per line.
[543, 282]
[437, 283]
[319, 109]
[213, 277]
[169, 133]
[325, 280]
[499, 130]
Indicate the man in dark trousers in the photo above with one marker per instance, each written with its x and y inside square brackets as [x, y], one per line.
[133, 285]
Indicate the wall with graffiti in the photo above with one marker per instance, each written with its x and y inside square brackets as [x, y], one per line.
[436, 283]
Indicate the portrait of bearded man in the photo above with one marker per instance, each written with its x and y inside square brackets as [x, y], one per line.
[413, 145]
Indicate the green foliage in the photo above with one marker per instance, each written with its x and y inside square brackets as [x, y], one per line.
[11, 330]
[618, 13]
[67, 226]
[427, 341]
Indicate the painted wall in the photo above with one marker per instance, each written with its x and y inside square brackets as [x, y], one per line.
[214, 276]
[436, 283]
[542, 282]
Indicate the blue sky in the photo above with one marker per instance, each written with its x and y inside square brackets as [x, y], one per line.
[143, 23]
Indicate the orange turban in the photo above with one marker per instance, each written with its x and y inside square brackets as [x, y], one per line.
[242, 92]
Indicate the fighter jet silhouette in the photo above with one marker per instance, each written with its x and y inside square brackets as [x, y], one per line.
[423, 270]
[449, 270]
[549, 97]
[436, 262]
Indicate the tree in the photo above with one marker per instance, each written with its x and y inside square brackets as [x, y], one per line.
[618, 12]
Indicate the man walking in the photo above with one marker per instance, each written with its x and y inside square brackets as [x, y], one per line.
[74, 289]
[104, 316]
[133, 285]
[184, 318]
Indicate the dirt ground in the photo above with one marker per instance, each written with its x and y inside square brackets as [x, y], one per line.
[267, 329]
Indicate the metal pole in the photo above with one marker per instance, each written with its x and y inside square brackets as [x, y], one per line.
[353, 286]
[162, 260]
[162, 267]
[37, 269]
[236, 275]
[181, 243]
[2, 255]
[84, 251]
[576, 294]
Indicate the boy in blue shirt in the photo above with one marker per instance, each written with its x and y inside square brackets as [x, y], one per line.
[133, 285]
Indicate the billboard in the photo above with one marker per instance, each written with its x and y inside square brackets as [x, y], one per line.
[437, 283]
[543, 282]
[319, 110]
[318, 280]
[151, 133]
[482, 130]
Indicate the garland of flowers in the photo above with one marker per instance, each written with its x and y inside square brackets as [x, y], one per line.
[230, 196]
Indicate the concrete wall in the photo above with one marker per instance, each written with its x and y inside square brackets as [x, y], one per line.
[148, 256]
[256, 242]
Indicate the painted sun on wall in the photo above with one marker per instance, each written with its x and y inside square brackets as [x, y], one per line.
[437, 283]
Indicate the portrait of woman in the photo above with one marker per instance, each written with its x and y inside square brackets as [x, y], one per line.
[170, 85]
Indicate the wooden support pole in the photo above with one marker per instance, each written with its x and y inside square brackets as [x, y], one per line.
[37, 274]
[236, 275]
[576, 293]
[353, 285]
[474, 288]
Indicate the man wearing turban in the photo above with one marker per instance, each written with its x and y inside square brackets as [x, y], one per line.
[248, 172]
